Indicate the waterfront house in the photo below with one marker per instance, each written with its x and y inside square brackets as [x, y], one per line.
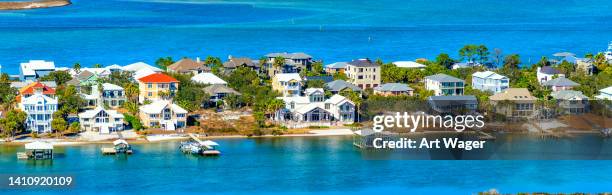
[33, 87]
[39, 109]
[218, 92]
[289, 84]
[208, 78]
[443, 84]
[453, 104]
[314, 110]
[514, 103]
[547, 73]
[408, 64]
[605, 94]
[35, 69]
[153, 85]
[560, 84]
[571, 102]
[110, 95]
[163, 114]
[101, 120]
[232, 63]
[337, 86]
[490, 81]
[188, 66]
[393, 89]
[363, 73]
[335, 67]
[294, 62]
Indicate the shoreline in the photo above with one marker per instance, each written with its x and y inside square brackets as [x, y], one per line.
[34, 4]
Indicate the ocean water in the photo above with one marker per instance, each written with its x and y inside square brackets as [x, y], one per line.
[326, 165]
[123, 32]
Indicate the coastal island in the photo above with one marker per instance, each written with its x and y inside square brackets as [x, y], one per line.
[35, 4]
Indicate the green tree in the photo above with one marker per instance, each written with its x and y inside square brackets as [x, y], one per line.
[164, 62]
[444, 60]
[59, 124]
[468, 52]
[74, 127]
[60, 77]
[131, 91]
[483, 54]
[13, 122]
[97, 65]
[77, 68]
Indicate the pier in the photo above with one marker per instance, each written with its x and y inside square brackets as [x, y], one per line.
[205, 148]
[36, 151]
[120, 147]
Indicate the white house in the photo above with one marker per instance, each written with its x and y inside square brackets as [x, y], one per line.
[39, 109]
[289, 84]
[208, 78]
[443, 84]
[101, 120]
[408, 64]
[163, 114]
[560, 84]
[35, 69]
[605, 94]
[490, 81]
[571, 102]
[140, 66]
[547, 73]
[111, 95]
[314, 109]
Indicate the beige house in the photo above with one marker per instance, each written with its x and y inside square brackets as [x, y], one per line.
[363, 73]
[514, 103]
[187, 66]
[163, 114]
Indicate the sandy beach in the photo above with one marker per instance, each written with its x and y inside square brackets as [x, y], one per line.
[19, 5]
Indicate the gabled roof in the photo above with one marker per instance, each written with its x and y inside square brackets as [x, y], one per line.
[298, 55]
[34, 99]
[158, 78]
[408, 64]
[29, 89]
[110, 86]
[513, 94]
[338, 99]
[568, 95]
[286, 77]
[339, 85]
[208, 78]
[187, 65]
[393, 87]
[38, 145]
[84, 75]
[156, 107]
[94, 112]
[489, 74]
[561, 81]
[21, 84]
[114, 67]
[313, 90]
[30, 68]
[336, 65]
[236, 62]
[215, 89]
[139, 66]
[549, 70]
[307, 108]
[443, 78]
[363, 63]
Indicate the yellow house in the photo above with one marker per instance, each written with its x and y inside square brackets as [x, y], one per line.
[290, 84]
[151, 86]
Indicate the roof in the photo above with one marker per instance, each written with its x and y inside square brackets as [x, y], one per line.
[549, 70]
[142, 73]
[156, 107]
[34, 99]
[29, 89]
[325, 79]
[489, 74]
[139, 66]
[208, 78]
[408, 64]
[187, 65]
[393, 87]
[296, 99]
[288, 77]
[297, 55]
[443, 78]
[313, 90]
[336, 65]
[339, 85]
[157, 78]
[607, 90]
[29, 68]
[363, 63]
[568, 95]
[38, 145]
[120, 141]
[561, 81]
[113, 67]
[513, 94]
[109, 86]
[21, 84]
[94, 112]
[307, 108]
[337, 99]
[215, 89]
[84, 75]
[235, 62]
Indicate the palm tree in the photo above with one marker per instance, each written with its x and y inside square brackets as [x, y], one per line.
[131, 90]
[275, 105]
[164, 62]
[77, 68]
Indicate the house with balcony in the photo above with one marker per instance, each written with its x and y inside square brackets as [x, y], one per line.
[39, 109]
[163, 114]
[490, 81]
[313, 109]
[35, 69]
[443, 84]
[156, 86]
[110, 95]
[289, 84]
[571, 102]
[294, 62]
[34, 87]
[547, 73]
[101, 120]
[605, 94]
[514, 103]
[560, 84]
[363, 73]
[393, 89]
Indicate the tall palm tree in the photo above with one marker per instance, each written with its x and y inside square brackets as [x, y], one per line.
[131, 91]
[77, 68]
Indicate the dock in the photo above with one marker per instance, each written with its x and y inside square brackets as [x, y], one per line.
[205, 148]
[120, 146]
[485, 136]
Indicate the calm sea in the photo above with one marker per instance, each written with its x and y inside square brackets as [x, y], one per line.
[122, 31]
[323, 165]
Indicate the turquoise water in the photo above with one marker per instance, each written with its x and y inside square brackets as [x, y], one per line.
[317, 164]
[122, 32]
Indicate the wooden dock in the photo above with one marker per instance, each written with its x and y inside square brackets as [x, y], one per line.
[209, 150]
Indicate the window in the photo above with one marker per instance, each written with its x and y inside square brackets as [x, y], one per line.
[150, 94]
[150, 85]
[327, 106]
